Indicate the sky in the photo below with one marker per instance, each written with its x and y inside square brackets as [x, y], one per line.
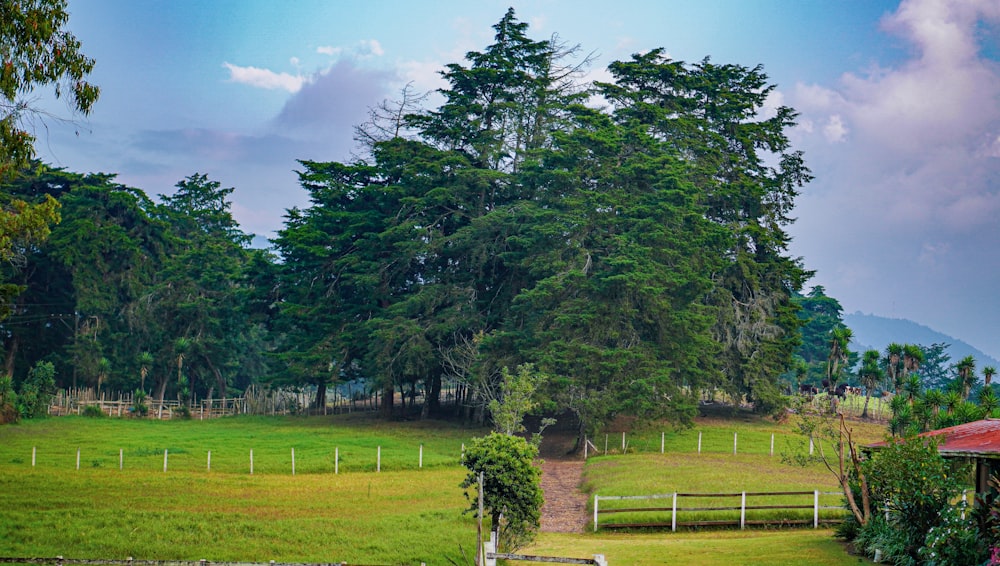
[898, 101]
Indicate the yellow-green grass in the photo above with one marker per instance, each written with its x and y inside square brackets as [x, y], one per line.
[402, 515]
[714, 470]
[392, 517]
[705, 548]
[140, 444]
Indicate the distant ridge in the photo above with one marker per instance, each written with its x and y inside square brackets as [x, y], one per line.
[877, 332]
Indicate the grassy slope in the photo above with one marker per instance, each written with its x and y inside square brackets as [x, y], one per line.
[402, 515]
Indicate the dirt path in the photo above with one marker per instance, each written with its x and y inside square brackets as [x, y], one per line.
[565, 508]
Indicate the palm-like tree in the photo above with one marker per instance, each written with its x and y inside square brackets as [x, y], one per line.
[934, 399]
[893, 355]
[988, 400]
[988, 373]
[966, 368]
[840, 337]
[912, 387]
[870, 375]
[145, 362]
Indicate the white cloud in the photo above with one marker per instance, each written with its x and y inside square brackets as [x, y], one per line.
[264, 78]
[835, 131]
[369, 48]
[329, 50]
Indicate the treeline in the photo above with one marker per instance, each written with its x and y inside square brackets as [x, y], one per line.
[627, 238]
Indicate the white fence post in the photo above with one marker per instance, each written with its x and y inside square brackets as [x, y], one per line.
[336, 460]
[816, 509]
[596, 499]
[734, 444]
[663, 438]
[772, 444]
[293, 461]
[810, 446]
[420, 462]
[585, 443]
[209, 466]
[121, 459]
[378, 460]
[623, 442]
[699, 442]
[78, 458]
[743, 510]
[164, 460]
[673, 515]
[251, 461]
[33, 448]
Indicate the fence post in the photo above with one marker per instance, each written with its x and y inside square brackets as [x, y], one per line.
[663, 437]
[605, 444]
[596, 499]
[293, 461]
[420, 463]
[336, 460]
[743, 510]
[209, 467]
[164, 460]
[734, 444]
[816, 509]
[33, 448]
[585, 442]
[699, 442]
[121, 459]
[673, 515]
[772, 444]
[810, 445]
[251, 461]
[78, 458]
[623, 442]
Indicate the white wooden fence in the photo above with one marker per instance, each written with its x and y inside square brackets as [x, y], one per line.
[742, 508]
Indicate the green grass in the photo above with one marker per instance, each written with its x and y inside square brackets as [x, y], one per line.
[705, 548]
[141, 444]
[403, 515]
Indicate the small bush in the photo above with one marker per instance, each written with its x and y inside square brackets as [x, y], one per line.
[92, 411]
[954, 541]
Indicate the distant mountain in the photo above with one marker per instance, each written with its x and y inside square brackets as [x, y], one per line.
[877, 332]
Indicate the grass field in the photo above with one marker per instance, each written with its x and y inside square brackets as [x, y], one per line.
[403, 515]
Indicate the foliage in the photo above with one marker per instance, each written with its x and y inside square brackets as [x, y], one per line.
[37, 50]
[912, 484]
[37, 390]
[954, 540]
[516, 400]
[8, 401]
[92, 411]
[512, 493]
[139, 406]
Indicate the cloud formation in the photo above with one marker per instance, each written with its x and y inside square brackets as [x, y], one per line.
[909, 155]
[264, 78]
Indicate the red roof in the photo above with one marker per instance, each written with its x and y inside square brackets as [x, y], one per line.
[979, 438]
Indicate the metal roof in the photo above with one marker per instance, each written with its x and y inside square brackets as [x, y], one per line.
[976, 439]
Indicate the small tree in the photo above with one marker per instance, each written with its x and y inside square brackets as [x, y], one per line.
[516, 399]
[512, 492]
[36, 390]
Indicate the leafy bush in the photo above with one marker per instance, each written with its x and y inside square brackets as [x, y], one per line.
[512, 492]
[955, 540]
[92, 411]
[139, 406]
[37, 390]
[912, 484]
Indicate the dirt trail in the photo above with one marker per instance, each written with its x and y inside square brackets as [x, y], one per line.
[565, 508]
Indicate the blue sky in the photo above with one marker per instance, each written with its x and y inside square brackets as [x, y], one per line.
[899, 102]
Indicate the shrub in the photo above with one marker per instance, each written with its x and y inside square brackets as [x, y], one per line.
[512, 492]
[954, 540]
[139, 406]
[36, 390]
[92, 411]
[8, 401]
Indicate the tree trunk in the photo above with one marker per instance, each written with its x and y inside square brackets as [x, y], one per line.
[12, 353]
[320, 394]
[388, 396]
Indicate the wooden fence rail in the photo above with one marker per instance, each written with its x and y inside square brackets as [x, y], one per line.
[742, 508]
